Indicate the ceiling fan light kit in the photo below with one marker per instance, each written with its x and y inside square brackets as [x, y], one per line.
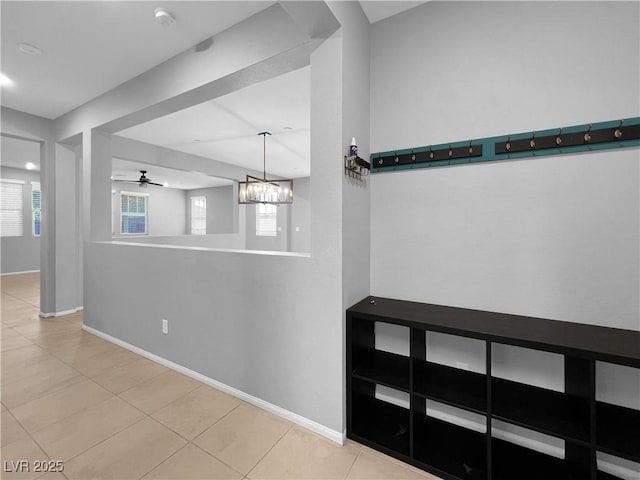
[264, 190]
[142, 182]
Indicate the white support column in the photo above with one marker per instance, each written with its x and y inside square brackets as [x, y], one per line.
[66, 238]
[96, 163]
[48, 229]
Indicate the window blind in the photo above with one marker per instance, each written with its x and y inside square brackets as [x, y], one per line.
[133, 213]
[11, 208]
[266, 220]
[36, 209]
[199, 215]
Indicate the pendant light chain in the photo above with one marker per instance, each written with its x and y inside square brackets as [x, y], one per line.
[264, 154]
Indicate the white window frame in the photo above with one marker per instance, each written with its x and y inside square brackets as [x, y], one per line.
[145, 215]
[19, 224]
[198, 223]
[35, 187]
[266, 220]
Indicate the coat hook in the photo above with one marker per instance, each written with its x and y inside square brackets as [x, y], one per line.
[470, 148]
[450, 151]
[559, 138]
[413, 156]
[618, 132]
[507, 145]
[587, 135]
[532, 142]
[431, 155]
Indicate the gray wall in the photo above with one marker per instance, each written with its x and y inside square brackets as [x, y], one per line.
[221, 209]
[293, 223]
[285, 312]
[355, 202]
[552, 237]
[21, 254]
[279, 243]
[30, 127]
[300, 219]
[167, 209]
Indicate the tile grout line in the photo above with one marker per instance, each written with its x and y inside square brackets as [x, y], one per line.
[178, 433]
[163, 461]
[108, 438]
[217, 421]
[114, 395]
[26, 431]
[219, 460]
[150, 416]
[268, 451]
[353, 463]
[30, 436]
[85, 378]
[145, 415]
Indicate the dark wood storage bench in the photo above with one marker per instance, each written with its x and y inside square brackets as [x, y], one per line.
[454, 452]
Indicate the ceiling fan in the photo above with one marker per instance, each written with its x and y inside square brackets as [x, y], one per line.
[143, 181]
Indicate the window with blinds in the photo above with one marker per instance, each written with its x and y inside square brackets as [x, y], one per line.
[199, 215]
[11, 208]
[133, 213]
[36, 210]
[266, 220]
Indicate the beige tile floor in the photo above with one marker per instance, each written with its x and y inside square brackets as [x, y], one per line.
[105, 412]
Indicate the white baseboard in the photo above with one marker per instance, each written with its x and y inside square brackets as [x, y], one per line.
[333, 435]
[62, 313]
[18, 273]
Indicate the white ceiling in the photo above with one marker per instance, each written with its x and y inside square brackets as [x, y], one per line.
[90, 47]
[226, 128]
[377, 10]
[16, 153]
[182, 180]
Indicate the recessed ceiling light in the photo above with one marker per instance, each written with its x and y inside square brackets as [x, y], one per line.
[29, 49]
[5, 81]
[164, 17]
[30, 166]
[165, 184]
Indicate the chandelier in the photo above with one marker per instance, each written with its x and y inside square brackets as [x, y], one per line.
[263, 190]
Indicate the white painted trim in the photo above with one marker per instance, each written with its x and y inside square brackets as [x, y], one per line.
[62, 313]
[271, 253]
[12, 180]
[18, 273]
[333, 435]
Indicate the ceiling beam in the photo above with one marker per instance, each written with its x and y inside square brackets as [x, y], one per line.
[265, 45]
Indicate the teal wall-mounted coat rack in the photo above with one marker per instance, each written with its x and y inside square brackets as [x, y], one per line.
[623, 133]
